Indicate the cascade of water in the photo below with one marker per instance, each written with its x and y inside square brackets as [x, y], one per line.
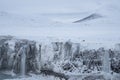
[106, 62]
[39, 57]
[23, 61]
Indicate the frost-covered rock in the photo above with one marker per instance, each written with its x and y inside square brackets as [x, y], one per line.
[28, 48]
[12, 58]
[23, 56]
[94, 77]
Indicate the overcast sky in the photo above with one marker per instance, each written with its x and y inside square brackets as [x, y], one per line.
[49, 6]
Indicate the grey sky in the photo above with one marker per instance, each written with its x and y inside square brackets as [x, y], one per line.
[46, 6]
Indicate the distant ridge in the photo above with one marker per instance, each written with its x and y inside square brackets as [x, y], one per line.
[90, 17]
[3, 13]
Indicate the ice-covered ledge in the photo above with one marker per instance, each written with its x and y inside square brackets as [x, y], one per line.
[24, 56]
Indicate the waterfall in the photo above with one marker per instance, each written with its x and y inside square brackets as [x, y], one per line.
[23, 61]
[39, 57]
[106, 62]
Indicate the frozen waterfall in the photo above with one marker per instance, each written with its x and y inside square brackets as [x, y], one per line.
[106, 62]
[23, 61]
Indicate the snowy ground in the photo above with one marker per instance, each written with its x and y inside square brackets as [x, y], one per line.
[73, 77]
[35, 77]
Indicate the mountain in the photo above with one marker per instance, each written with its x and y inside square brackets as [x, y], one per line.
[100, 19]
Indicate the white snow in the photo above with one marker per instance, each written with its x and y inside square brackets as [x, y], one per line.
[59, 24]
[35, 77]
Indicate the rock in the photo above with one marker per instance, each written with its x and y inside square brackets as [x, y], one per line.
[94, 77]
[30, 52]
[12, 58]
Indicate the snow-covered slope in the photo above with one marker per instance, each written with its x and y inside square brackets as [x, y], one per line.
[40, 19]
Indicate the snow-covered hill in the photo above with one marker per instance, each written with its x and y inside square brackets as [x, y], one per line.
[50, 21]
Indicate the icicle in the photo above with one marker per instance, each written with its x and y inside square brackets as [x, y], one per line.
[106, 62]
[23, 61]
[39, 62]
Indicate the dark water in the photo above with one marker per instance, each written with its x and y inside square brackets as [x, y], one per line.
[5, 76]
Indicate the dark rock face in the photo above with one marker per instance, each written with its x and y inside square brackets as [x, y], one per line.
[4, 56]
[90, 17]
[57, 48]
[68, 49]
[67, 66]
[10, 59]
[4, 50]
[94, 77]
[115, 66]
[30, 50]
[55, 74]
